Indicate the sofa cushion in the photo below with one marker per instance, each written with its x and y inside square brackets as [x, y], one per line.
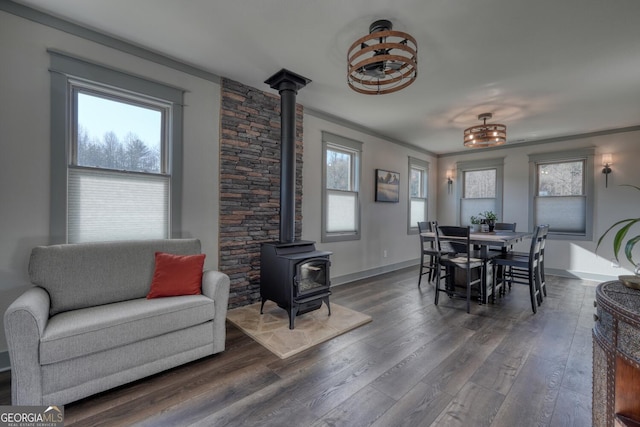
[86, 274]
[90, 330]
[176, 275]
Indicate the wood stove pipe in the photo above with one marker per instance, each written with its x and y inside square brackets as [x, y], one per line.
[287, 84]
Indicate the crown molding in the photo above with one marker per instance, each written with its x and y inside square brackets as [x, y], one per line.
[103, 39]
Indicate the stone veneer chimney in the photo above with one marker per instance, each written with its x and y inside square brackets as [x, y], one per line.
[250, 183]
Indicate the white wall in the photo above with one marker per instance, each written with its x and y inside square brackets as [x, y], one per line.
[384, 225]
[24, 138]
[611, 204]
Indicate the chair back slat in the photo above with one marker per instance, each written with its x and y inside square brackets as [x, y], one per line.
[505, 226]
[536, 241]
[543, 231]
[543, 235]
[425, 242]
[454, 231]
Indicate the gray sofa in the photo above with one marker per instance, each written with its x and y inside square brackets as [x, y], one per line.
[86, 326]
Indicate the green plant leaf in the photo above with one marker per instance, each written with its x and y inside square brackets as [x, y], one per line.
[629, 248]
[620, 235]
[611, 228]
[629, 185]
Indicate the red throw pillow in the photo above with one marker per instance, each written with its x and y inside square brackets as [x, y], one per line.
[176, 275]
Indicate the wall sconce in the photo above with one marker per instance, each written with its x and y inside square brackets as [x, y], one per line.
[449, 180]
[607, 161]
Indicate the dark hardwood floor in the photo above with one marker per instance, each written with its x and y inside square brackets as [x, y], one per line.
[416, 364]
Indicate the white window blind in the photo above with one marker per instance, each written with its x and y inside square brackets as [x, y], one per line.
[567, 214]
[109, 205]
[418, 179]
[341, 209]
[472, 207]
[418, 210]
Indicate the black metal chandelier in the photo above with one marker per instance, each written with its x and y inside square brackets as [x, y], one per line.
[485, 135]
[384, 61]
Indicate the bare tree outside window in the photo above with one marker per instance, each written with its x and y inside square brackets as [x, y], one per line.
[561, 179]
[416, 183]
[480, 184]
[339, 170]
[132, 151]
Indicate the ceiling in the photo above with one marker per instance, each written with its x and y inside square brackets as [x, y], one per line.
[545, 68]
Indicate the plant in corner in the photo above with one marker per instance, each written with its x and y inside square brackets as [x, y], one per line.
[621, 234]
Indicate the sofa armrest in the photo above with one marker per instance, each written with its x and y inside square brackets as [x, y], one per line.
[215, 285]
[24, 323]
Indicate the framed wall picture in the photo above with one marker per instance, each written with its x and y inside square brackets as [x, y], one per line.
[387, 186]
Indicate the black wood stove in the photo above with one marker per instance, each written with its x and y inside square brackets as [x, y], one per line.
[293, 274]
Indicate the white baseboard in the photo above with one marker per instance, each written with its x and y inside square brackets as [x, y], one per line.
[580, 275]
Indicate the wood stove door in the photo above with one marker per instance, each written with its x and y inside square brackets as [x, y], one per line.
[312, 276]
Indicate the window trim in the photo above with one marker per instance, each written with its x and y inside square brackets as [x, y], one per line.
[474, 165]
[415, 163]
[349, 145]
[65, 68]
[588, 156]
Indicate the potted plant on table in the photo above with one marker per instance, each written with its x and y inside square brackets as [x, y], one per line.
[618, 239]
[475, 224]
[490, 219]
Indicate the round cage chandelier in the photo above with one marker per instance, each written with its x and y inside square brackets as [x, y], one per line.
[384, 61]
[485, 135]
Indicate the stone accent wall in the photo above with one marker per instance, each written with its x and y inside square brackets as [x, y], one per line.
[250, 184]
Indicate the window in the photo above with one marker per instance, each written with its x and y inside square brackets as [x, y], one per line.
[561, 192]
[341, 181]
[115, 154]
[480, 184]
[418, 179]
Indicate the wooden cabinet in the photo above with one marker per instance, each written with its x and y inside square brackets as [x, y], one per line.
[616, 356]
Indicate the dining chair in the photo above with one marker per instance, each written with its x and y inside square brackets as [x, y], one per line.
[503, 226]
[543, 282]
[523, 269]
[544, 233]
[462, 260]
[428, 252]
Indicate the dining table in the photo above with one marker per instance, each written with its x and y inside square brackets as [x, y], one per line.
[499, 239]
